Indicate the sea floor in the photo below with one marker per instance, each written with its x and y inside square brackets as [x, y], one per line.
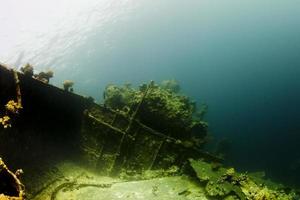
[78, 183]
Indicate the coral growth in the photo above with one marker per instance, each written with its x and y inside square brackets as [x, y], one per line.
[171, 85]
[226, 183]
[160, 107]
[68, 85]
[44, 76]
[12, 108]
[27, 70]
[5, 121]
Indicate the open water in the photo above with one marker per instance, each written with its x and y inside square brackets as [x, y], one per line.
[241, 58]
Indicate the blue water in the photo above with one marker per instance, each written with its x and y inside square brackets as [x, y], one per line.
[240, 57]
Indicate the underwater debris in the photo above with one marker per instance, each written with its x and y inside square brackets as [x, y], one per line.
[160, 108]
[68, 85]
[11, 187]
[226, 183]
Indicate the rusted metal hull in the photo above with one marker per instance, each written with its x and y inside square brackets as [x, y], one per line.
[56, 125]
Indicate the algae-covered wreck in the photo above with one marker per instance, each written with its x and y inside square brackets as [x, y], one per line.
[140, 143]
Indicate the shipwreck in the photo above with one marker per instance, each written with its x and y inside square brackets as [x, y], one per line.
[44, 126]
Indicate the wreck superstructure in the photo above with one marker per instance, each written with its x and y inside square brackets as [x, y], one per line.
[56, 125]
